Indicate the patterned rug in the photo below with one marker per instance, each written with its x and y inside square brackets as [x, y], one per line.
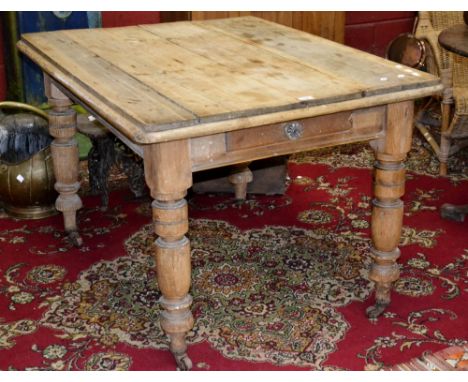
[279, 282]
[454, 358]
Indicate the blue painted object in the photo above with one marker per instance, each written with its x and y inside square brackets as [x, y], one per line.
[48, 21]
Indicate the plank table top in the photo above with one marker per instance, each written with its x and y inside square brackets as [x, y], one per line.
[169, 81]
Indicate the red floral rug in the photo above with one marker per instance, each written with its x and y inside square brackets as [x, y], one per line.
[279, 282]
[454, 358]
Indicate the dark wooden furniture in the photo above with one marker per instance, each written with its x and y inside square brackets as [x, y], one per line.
[455, 39]
[190, 96]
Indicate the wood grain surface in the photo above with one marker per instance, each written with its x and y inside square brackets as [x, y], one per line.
[328, 24]
[162, 82]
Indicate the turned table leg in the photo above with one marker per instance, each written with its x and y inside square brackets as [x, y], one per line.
[240, 177]
[64, 148]
[168, 175]
[387, 212]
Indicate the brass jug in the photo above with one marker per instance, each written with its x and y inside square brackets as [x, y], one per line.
[26, 170]
[27, 188]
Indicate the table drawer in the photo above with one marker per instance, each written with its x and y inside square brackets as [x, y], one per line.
[365, 121]
[285, 138]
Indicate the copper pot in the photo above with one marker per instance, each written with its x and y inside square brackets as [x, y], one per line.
[407, 50]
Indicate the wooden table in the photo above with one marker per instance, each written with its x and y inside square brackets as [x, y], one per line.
[191, 96]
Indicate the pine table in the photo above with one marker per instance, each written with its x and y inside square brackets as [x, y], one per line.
[191, 96]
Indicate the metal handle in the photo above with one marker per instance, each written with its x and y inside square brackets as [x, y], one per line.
[24, 106]
[293, 130]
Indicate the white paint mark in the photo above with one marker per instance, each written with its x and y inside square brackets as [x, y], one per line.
[20, 178]
[398, 66]
[305, 98]
[416, 74]
[383, 79]
[91, 118]
[401, 76]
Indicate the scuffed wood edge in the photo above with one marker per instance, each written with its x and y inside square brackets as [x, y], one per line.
[203, 129]
[130, 128]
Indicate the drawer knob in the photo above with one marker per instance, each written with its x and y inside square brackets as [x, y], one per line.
[293, 130]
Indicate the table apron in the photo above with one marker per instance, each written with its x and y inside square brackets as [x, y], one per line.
[239, 146]
[218, 150]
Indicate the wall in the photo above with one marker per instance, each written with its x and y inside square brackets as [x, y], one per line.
[369, 31]
[372, 31]
[114, 19]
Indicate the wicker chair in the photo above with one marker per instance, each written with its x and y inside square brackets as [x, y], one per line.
[453, 71]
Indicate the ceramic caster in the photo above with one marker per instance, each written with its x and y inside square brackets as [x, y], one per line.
[376, 310]
[183, 362]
